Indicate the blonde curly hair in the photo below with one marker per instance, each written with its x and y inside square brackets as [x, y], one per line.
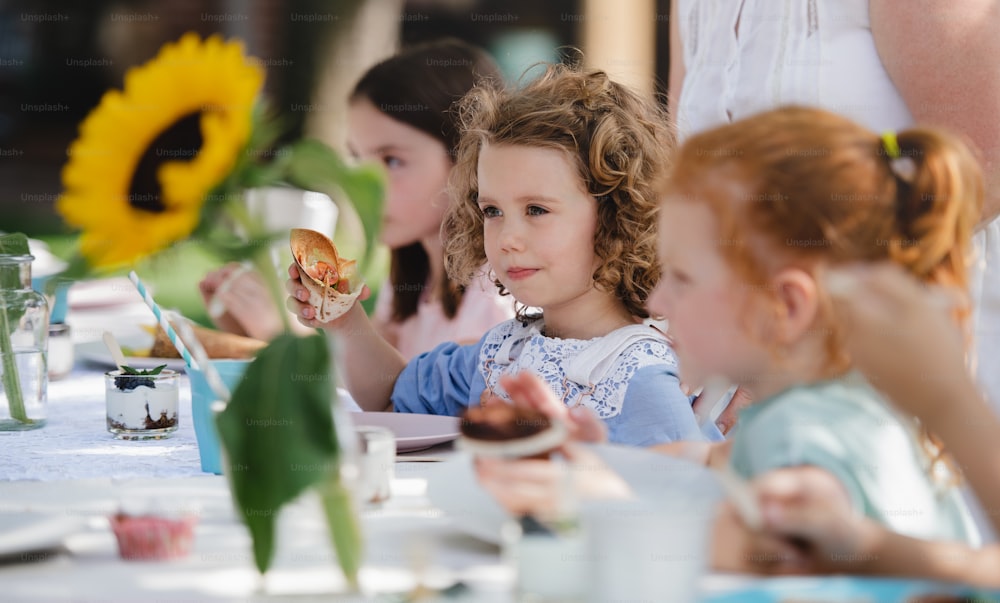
[621, 144]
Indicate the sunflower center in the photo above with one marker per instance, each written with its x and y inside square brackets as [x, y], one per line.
[180, 142]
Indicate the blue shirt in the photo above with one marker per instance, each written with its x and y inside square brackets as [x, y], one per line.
[628, 378]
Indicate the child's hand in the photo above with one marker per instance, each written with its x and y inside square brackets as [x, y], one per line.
[809, 526]
[526, 388]
[901, 335]
[737, 548]
[298, 302]
[537, 487]
[727, 420]
[238, 302]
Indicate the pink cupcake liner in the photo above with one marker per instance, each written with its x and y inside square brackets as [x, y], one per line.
[146, 537]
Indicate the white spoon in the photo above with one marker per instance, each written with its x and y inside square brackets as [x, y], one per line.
[115, 349]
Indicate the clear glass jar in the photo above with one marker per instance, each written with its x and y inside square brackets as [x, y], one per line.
[142, 407]
[24, 331]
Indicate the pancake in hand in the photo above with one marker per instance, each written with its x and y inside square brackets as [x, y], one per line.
[507, 431]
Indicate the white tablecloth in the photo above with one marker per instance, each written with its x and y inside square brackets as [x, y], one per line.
[221, 567]
[75, 443]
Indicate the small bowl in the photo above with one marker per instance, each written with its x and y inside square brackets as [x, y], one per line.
[149, 537]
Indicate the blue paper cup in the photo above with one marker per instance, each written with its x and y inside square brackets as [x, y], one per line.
[202, 397]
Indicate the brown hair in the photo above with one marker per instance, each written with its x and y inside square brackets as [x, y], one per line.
[418, 87]
[819, 188]
[619, 143]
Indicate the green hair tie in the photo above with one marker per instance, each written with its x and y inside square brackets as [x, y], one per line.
[891, 144]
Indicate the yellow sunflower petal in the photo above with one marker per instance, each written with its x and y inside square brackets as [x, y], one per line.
[212, 78]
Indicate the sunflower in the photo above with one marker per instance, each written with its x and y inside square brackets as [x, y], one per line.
[147, 155]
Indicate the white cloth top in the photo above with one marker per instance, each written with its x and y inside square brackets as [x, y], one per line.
[808, 52]
[593, 372]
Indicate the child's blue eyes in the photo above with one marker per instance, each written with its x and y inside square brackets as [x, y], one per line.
[392, 162]
[493, 212]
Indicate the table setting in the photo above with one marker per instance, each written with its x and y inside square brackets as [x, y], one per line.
[435, 530]
[126, 475]
[430, 532]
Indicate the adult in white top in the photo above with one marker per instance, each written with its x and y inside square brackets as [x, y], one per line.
[886, 64]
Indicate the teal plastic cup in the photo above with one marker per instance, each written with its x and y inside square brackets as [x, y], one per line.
[56, 292]
[202, 398]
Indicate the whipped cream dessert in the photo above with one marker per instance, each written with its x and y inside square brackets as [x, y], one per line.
[142, 405]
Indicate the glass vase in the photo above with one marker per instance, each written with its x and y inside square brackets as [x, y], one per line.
[24, 330]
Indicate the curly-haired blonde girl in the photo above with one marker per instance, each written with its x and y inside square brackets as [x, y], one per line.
[554, 191]
[618, 143]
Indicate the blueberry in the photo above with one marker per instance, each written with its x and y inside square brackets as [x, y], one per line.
[130, 382]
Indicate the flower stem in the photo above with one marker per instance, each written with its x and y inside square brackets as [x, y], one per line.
[342, 522]
[11, 380]
[255, 231]
[262, 262]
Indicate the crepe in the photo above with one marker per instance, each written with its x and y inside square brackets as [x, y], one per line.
[331, 280]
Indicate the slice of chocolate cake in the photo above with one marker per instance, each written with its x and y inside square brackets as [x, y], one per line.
[508, 431]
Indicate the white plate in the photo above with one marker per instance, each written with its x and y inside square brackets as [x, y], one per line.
[413, 431]
[22, 533]
[97, 352]
[453, 488]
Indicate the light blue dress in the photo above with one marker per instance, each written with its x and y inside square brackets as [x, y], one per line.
[628, 378]
[846, 428]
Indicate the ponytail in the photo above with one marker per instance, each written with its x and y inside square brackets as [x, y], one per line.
[939, 195]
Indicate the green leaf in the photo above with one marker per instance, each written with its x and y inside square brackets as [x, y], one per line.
[15, 243]
[278, 433]
[128, 370]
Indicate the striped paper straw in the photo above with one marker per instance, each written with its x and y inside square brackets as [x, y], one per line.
[201, 356]
[160, 318]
